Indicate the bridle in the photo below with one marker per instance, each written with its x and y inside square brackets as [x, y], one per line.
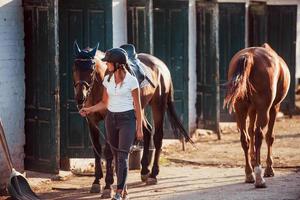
[90, 85]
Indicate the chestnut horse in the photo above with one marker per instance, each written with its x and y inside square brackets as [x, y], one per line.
[88, 90]
[258, 81]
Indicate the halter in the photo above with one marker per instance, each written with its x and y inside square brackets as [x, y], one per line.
[89, 86]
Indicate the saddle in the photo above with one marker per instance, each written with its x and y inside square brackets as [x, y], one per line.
[137, 68]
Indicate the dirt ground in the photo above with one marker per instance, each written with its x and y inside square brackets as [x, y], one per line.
[212, 170]
[228, 152]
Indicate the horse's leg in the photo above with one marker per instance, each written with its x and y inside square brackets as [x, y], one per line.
[269, 171]
[145, 159]
[261, 123]
[146, 96]
[96, 186]
[158, 111]
[109, 177]
[241, 116]
[252, 118]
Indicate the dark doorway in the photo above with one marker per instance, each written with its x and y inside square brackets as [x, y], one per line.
[42, 98]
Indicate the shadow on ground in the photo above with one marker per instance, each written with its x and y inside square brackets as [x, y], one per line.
[209, 183]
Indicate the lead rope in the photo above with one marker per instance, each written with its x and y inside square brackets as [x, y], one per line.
[87, 95]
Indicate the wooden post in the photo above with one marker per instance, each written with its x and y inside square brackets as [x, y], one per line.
[183, 144]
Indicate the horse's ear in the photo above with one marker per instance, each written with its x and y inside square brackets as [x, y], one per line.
[268, 47]
[93, 52]
[76, 48]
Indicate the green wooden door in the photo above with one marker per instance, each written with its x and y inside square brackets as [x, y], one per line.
[257, 24]
[282, 38]
[231, 40]
[170, 30]
[207, 67]
[138, 28]
[88, 22]
[42, 102]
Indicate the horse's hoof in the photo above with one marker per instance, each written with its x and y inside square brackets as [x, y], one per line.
[250, 178]
[259, 180]
[144, 177]
[96, 188]
[269, 172]
[107, 193]
[151, 181]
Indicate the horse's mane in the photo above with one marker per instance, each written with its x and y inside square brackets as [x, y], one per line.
[100, 67]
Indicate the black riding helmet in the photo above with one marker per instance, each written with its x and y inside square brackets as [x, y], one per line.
[117, 56]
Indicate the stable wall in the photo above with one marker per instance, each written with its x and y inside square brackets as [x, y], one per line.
[12, 86]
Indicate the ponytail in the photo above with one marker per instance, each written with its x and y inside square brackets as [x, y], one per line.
[128, 68]
[118, 66]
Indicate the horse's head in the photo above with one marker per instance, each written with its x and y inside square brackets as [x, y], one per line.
[87, 69]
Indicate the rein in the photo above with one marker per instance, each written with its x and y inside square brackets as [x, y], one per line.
[80, 82]
[85, 83]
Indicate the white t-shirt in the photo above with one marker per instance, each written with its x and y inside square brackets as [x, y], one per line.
[120, 97]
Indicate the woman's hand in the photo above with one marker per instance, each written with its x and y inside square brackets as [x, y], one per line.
[101, 106]
[139, 134]
[85, 111]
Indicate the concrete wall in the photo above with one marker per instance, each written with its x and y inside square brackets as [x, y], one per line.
[12, 85]
[119, 18]
[192, 66]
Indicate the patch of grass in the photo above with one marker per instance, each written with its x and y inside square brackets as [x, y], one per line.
[164, 161]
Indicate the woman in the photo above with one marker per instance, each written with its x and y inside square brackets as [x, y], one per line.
[121, 98]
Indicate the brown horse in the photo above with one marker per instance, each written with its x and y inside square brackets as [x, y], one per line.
[160, 98]
[258, 81]
[88, 91]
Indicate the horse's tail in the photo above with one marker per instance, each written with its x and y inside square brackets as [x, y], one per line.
[175, 122]
[239, 84]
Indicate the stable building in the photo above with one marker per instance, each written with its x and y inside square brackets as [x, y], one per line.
[195, 38]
